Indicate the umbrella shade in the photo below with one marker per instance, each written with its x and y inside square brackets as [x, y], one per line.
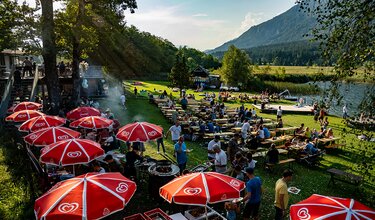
[24, 115]
[25, 106]
[81, 112]
[201, 189]
[92, 122]
[330, 208]
[70, 152]
[50, 135]
[40, 122]
[139, 131]
[89, 196]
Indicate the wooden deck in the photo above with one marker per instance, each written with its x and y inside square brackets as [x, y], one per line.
[292, 109]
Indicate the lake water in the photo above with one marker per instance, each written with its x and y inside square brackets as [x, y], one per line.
[352, 95]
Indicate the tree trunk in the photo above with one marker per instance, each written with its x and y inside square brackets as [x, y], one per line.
[77, 53]
[49, 56]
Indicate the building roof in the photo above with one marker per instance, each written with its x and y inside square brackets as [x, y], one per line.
[12, 52]
[200, 71]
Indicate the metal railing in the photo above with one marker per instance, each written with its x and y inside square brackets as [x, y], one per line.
[34, 88]
[7, 93]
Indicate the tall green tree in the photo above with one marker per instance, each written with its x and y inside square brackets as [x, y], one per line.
[236, 69]
[180, 75]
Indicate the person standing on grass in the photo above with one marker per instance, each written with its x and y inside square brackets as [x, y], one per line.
[210, 147]
[245, 129]
[123, 100]
[135, 91]
[175, 130]
[345, 112]
[181, 154]
[220, 160]
[253, 196]
[281, 194]
[160, 141]
[279, 113]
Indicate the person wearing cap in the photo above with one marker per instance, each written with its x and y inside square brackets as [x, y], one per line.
[253, 195]
[108, 113]
[131, 157]
[281, 194]
[114, 165]
[210, 146]
[220, 159]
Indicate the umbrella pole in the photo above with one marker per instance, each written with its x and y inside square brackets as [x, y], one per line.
[205, 208]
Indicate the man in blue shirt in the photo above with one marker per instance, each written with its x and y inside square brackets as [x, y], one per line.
[211, 127]
[253, 196]
[267, 133]
[180, 151]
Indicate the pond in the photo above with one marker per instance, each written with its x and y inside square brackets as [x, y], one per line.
[352, 95]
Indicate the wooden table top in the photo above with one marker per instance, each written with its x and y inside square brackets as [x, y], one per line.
[286, 129]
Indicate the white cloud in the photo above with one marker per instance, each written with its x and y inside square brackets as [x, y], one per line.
[250, 20]
[200, 15]
[197, 31]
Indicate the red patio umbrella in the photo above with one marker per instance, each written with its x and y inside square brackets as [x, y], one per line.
[330, 208]
[81, 112]
[40, 122]
[92, 122]
[71, 152]
[201, 189]
[25, 106]
[139, 131]
[50, 135]
[89, 196]
[24, 115]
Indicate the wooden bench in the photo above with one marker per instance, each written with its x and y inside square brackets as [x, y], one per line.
[334, 146]
[343, 176]
[281, 162]
[312, 160]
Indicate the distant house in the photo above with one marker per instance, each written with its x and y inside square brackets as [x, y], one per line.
[93, 80]
[202, 77]
[8, 58]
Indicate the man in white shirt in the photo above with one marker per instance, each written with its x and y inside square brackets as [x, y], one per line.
[245, 129]
[175, 130]
[279, 113]
[345, 112]
[254, 113]
[210, 147]
[220, 160]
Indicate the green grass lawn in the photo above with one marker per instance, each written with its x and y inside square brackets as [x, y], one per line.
[309, 180]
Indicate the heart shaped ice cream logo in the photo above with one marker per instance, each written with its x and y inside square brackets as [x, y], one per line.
[106, 211]
[32, 137]
[38, 125]
[87, 122]
[152, 133]
[122, 187]
[125, 133]
[68, 207]
[63, 137]
[234, 183]
[74, 154]
[22, 116]
[303, 214]
[83, 114]
[192, 191]
[224, 197]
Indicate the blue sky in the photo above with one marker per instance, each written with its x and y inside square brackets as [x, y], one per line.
[203, 24]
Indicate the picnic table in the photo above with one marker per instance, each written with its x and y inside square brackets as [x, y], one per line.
[343, 176]
[286, 129]
[157, 101]
[276, 140]
[221, 120]
[212, 135]
[327, 140]
[236, 129]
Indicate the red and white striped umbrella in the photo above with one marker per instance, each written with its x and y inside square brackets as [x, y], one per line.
[92, 122]
[81, 112]
[139, 131]
[40, 122]
[71, 152]
[50, 135]
[330, 208]
[25, 106]
[89, 196]
[24, 115]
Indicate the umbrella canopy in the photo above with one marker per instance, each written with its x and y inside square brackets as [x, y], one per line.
[81, 112]
[202, 188]
[40, 122]
[139, 131]
[50, 135]
[89, 196]
[24, 115]
[25, 106]
[70, 152]
[330, 208]
[92, 122]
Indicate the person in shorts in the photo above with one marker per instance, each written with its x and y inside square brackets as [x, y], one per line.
[253, 195]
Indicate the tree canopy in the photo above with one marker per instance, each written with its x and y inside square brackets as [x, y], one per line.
[180, 75]
[236, 67]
